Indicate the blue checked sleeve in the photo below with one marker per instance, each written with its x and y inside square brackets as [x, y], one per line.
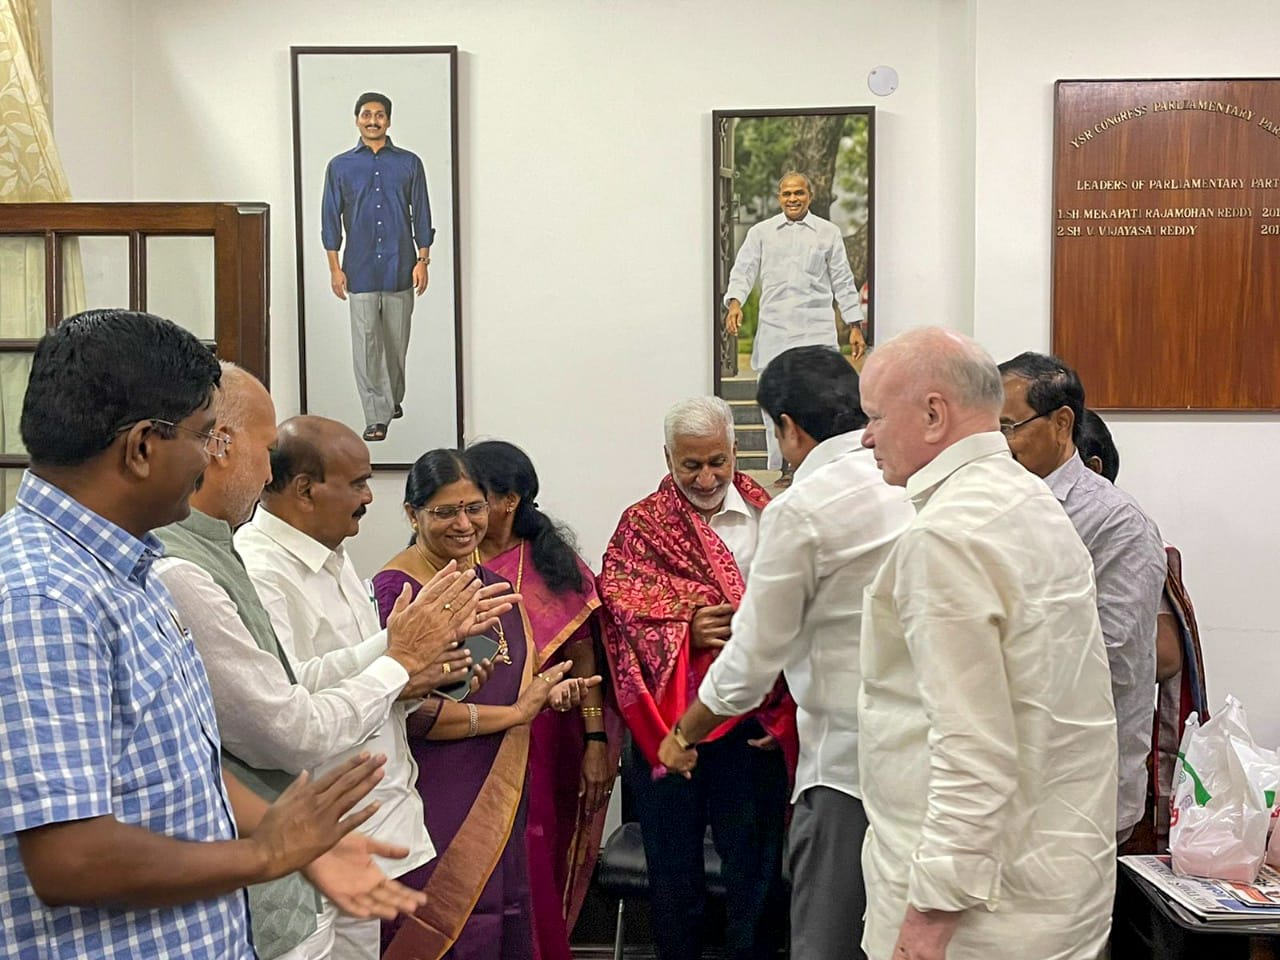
[55, 698]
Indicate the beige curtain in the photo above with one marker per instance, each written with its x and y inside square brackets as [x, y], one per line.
[30, 171]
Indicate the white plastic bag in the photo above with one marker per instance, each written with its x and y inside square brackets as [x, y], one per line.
[1261, 766]
[1218, 826]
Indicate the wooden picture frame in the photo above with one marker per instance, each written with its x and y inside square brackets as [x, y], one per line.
[834, 147]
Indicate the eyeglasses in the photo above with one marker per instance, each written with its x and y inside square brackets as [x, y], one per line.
[477, 509]
[1008, 428]
[215, 444]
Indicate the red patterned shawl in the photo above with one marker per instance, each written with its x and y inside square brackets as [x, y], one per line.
[663, 563]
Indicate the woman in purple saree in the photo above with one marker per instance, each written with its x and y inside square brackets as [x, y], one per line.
[472, 756]
[573, 757]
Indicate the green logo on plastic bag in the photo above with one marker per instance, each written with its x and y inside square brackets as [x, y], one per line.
[1202, 795]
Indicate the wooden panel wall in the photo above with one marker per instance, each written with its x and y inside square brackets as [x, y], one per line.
[1166, 248]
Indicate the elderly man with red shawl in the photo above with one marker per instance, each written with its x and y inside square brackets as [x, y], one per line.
[673, 575]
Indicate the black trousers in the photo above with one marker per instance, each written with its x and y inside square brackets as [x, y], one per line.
[741, 793]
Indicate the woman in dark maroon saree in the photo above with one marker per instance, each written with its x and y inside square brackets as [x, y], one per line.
[573, 757]
[472, 756]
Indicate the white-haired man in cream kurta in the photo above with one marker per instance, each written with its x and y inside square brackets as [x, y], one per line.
[987, 733]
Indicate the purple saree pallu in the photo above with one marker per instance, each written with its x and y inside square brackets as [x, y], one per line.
[473, 790]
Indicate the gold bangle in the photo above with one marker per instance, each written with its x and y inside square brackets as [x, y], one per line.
[592, 711]
[473, 725]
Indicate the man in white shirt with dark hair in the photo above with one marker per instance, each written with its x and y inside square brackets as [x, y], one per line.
[800, 260]
[821, 543]
[987, 736]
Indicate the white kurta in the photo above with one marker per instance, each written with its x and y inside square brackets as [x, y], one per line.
[319, 606]
[737, 523]
[821, 542]
[988, 737]
[802, 267]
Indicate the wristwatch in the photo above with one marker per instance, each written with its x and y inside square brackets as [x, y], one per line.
[681, 741]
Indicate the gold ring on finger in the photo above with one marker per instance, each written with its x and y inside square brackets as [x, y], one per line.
[448, 606]
[446, 667]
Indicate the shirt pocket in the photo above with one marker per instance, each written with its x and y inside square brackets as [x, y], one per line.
[814, 262]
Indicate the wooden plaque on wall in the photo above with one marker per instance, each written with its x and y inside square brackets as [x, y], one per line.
[1166, 248]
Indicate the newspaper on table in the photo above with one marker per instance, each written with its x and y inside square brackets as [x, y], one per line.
[1213, 900]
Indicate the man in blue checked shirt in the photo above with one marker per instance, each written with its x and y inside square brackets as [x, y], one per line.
[376, 194]
[120, 834]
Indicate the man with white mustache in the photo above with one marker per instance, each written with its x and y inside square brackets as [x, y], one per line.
[672, 576]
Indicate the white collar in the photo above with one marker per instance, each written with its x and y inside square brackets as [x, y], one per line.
[310, 552]
[830, 449]
[808, 220]
[922, 483]
[733, 502]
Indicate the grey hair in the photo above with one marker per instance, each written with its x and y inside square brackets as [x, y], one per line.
[795, 173]
[232, 399]
[698, 417]
[975, 375]
[937, 354]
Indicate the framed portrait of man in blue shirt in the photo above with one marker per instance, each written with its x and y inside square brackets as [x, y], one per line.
[376, 204]
[793, 250]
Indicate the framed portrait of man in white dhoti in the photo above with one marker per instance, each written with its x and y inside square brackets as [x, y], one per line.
[375, 147]
[794, 195]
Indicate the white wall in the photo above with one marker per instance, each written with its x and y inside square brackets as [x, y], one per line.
[586, 210]
[1206, 479]
[90, 65]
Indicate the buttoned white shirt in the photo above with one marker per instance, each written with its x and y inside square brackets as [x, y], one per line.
[821, 542]
[737, 523]
[265, 720]
[988, 737]
[802, 266]
[319, 607]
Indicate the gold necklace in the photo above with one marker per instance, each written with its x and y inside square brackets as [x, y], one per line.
[503, 653]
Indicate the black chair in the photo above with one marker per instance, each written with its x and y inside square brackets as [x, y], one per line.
[622, 871]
